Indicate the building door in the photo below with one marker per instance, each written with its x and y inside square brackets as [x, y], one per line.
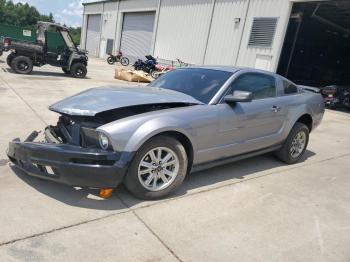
[93, 34]
[137, 34]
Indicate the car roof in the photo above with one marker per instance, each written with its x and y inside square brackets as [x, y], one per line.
[230, 69]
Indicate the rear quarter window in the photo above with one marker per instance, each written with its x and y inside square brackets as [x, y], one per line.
[289, 88]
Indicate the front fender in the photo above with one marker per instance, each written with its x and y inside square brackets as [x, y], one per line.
[131, 134]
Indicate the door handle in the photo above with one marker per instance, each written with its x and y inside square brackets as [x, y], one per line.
[275, 109]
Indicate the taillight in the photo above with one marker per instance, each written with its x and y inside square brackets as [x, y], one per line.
[7, 42]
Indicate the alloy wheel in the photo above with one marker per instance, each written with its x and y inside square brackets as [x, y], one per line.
[158, 168]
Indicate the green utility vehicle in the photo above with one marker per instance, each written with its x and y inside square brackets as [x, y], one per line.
[45, 50]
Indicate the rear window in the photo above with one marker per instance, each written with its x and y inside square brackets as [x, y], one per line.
[289, 87]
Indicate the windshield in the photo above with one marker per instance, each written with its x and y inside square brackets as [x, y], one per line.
[202, 84]
[67, 39]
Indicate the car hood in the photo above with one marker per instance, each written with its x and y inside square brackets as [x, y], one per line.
[97, 100]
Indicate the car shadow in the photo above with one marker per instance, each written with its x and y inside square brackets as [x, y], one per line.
[195, 182]
[45, 73]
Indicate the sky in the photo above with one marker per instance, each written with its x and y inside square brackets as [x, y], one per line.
[67, 12]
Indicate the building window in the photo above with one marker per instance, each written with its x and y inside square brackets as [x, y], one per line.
[263, 32]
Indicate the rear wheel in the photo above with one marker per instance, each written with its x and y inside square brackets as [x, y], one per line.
[78, 70]
[295, 145]
[159, 167]
[110, 60]
[124, 61]
[22, 65]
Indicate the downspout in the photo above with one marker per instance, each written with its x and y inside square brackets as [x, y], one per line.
[116, 28]
[241, 38]
[209, 30]
[156, 27]
[101, 28]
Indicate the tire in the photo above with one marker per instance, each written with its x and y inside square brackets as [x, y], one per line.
[22, 65]
[9, 59]
[285, 153]
[124, 61]
[110, 60]
[66, 71]
[78, 70]
[154, 74]
[1, 52]
[137, 184]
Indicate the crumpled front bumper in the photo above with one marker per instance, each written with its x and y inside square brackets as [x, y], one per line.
[68, 164]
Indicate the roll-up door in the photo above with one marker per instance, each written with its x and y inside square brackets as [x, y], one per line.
[93, 34]
[137, 34]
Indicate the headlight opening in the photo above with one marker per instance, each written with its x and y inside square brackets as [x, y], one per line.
[104, 142]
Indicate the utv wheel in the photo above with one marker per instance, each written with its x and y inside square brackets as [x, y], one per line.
[295, 145]
[124, 61]
[110, 60]
[22, 65]
[158, 168]
[66, 71]
[9, 59]
[78, 70]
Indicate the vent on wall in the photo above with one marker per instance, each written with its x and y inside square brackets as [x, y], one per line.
[263, 31]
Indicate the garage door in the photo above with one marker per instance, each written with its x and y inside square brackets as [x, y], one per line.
[93, 34]
[137, 33]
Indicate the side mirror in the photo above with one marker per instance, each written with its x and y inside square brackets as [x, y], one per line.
[239, 96]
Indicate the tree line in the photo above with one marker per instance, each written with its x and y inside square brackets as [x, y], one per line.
[24, 15]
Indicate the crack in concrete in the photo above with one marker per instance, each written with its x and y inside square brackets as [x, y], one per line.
[133, 211]
[161, 202]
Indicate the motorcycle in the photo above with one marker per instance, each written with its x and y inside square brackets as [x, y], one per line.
[112, 59]
[160, 70]
[336, 96]
[147, 66]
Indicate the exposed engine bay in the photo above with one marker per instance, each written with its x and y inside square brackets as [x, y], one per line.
[81, 130]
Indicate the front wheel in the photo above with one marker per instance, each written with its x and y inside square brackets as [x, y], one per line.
[295, 145]
[154, 74]
[124, 61]
[110, 60]
[158, 168]
[78, 70]
[65, 70]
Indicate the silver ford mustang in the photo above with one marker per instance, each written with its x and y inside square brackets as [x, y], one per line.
[151, 137]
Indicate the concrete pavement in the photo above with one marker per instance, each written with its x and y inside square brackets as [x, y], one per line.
[254, 210]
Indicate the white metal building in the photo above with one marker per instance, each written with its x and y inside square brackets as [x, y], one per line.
[231, 32]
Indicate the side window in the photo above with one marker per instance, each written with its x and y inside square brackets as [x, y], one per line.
[289, 87]
[261, 86]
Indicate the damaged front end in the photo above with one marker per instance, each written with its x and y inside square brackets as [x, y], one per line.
[70, 153]
[75, 153]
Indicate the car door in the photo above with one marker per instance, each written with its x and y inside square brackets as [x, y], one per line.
[250, 126]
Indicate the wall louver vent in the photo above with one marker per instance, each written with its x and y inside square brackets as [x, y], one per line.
[263, 32]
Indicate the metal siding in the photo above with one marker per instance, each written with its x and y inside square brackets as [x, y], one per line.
[137, 34]
[183, 29]
[93, 8]
[137, 5]
[225, 33]
[264, 8]
[93, 34]
[109, 23]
